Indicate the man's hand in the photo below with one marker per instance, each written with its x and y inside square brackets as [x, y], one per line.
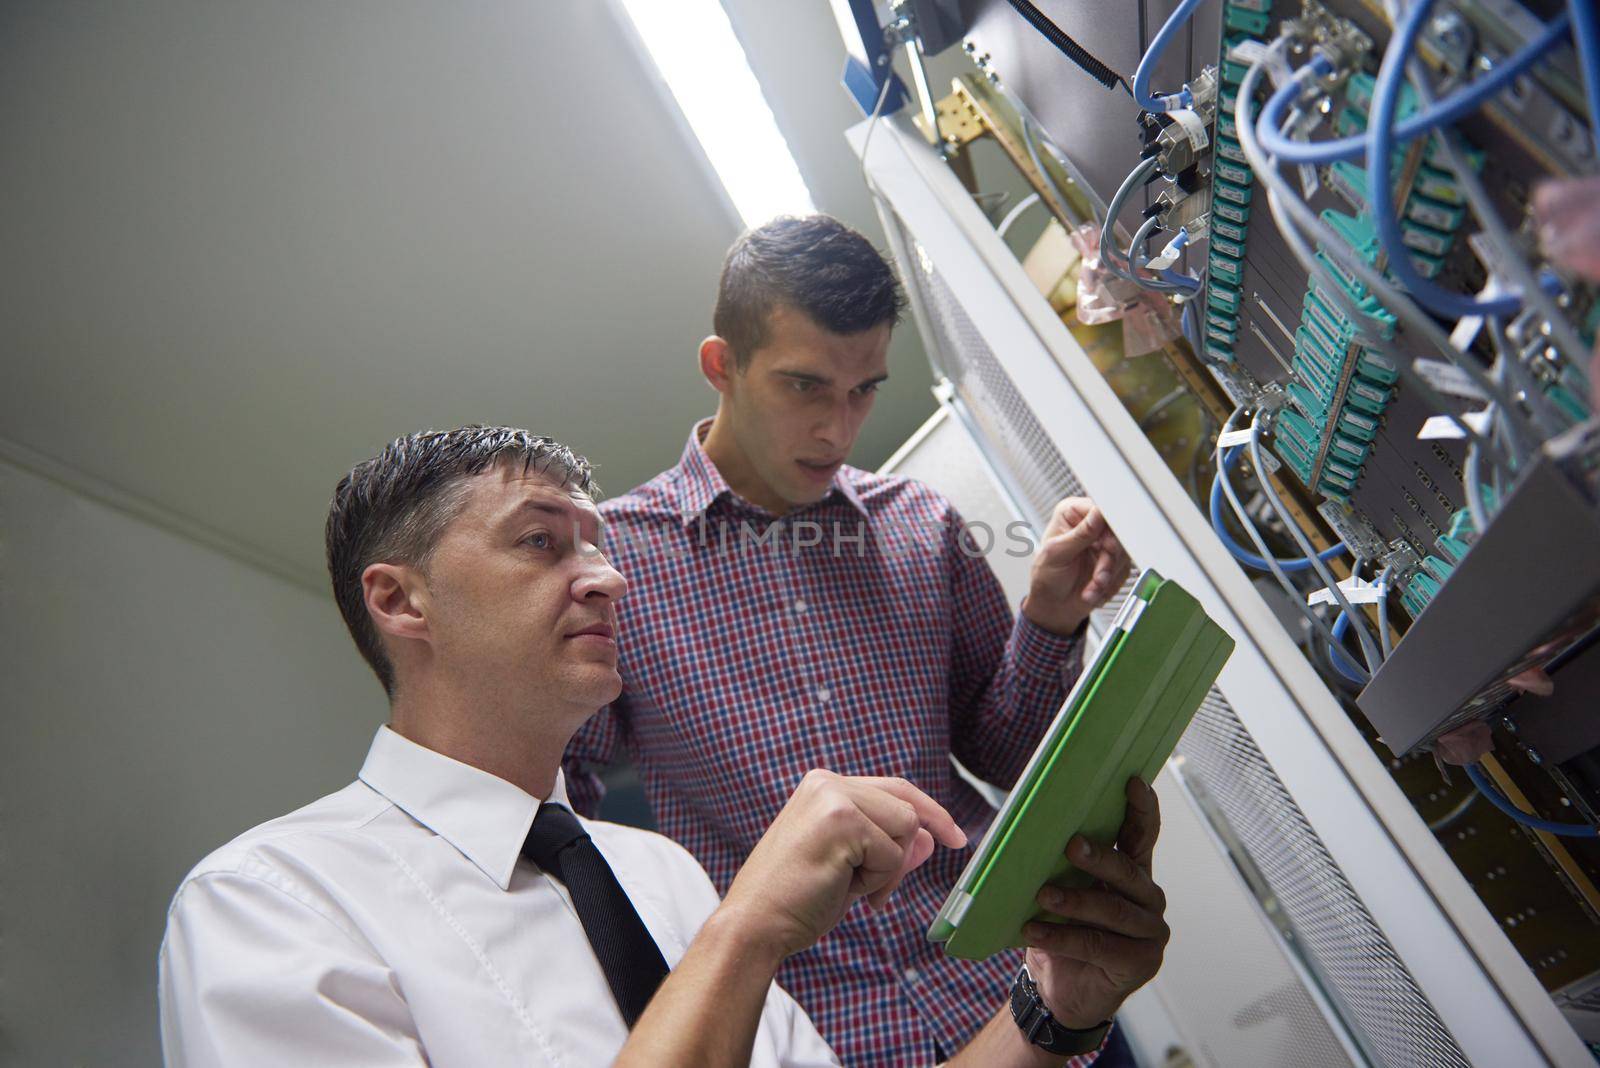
[1080, 566]
[1113, 941]
[837, 839]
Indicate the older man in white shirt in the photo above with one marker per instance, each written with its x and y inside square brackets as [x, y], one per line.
[447, 908]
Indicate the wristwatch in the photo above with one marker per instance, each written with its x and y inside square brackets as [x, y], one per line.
[1042, 1029]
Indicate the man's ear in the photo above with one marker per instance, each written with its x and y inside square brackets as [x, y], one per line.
[396, 598]
[717, 363]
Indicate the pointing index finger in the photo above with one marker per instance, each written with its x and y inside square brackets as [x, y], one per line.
[939, 823]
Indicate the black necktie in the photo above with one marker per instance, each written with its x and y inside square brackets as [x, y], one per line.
[630, 958]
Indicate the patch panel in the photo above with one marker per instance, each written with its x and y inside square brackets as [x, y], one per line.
[1231, 184]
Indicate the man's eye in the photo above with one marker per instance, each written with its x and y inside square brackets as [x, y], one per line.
[540, 541]
[800, 385]
[867, 390]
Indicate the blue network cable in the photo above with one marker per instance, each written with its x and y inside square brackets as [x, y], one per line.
[1586, 35]
[1380, 145]
[1457, 104]
[1500, 801]
[1152, 55]
[1181, 280]
[1380, 197]
[1137, 260]
[1240, 553]
[1339, 658]
[1191, 327]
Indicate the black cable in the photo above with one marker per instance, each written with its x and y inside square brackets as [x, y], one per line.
[1070, 48]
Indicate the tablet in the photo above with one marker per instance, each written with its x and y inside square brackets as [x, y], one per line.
[1122, 718]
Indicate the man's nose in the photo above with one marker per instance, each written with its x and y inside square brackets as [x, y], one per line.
[599, 579]
[836, 427]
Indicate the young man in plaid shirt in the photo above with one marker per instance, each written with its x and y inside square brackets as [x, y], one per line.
[790, 612]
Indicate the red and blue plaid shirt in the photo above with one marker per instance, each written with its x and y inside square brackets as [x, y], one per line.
[864, 634]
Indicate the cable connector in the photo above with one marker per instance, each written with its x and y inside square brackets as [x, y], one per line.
[1169, 254]
[1189, 212]
[1182, 142]
[1183, 98]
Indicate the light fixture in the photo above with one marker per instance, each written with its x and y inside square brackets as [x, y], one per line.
[705, 66]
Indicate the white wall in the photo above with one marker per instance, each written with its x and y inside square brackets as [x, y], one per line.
[158, 698]
[326, 224]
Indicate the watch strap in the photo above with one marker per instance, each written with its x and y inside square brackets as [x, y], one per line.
[1043, 1029]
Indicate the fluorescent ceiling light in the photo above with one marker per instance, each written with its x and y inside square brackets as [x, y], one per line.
[694, 46]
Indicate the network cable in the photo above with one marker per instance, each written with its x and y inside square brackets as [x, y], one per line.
[1137, 260]
[1139, 237]
[1494, 228]
[1380, 146]
[1460, 103]
[1562, 334]
[1339, 658]
[1110, 255]
[1473, 487]
[1513, 363]
[1181, 283]
[1239, 552]
[1318, 626]
[1187, 322]
[1033, 138]
[1292, 214]
[1369, 647]
[1383, 611]
[1586, 36]
[1140, 174]
[1480, 780]
[1015, 213]
[1284, 203]
[1152, 55]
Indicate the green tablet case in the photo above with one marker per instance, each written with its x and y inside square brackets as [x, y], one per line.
[1123, 718]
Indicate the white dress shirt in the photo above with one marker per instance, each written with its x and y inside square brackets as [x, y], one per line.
[397, 923]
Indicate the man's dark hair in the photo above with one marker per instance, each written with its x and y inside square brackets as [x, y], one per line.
[815, 264]
[393, 507]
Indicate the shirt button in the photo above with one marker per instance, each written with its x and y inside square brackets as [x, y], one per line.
[912, 975]
[823, 693]
[799, 606]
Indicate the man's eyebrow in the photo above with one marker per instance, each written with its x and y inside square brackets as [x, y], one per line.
[823, 380]
[804, 376]
[530, 505]
[566, 512]
[540, 506]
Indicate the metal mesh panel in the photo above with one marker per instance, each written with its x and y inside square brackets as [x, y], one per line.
[1016, 440]
[1343, 944]
[1332, 930]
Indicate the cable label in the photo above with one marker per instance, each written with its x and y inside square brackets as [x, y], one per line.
[1442, 426]
[1355, 590]
[1448, 378]
[1193, 126]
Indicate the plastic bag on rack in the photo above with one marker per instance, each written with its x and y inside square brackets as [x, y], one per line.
[1148, 320]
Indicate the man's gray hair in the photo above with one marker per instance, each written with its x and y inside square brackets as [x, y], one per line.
[393, 507]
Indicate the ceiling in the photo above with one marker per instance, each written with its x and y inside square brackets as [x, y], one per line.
[247, 243]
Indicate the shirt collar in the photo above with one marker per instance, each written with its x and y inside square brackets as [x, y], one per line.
[699, 481]
[483, 816]
[700, 484]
